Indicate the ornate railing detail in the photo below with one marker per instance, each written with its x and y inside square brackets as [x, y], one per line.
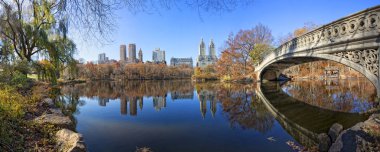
[358, 26]
[368, 58]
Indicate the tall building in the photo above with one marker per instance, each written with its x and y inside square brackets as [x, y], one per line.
[132, 52]
[102, 58]
[181, 61]
[140, 56]
[158, 56]
[123, 54]
[204, 60]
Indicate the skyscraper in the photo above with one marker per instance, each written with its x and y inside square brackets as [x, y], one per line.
[123, 54]
[132, 52]
[140, 55]
[102, 58]
[158, 56]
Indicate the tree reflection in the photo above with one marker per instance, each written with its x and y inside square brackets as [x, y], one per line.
[239, 105]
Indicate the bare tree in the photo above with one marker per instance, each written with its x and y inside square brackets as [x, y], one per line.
[96, 17]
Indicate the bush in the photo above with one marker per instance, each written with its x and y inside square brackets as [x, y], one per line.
[12, 109]
[19, 79]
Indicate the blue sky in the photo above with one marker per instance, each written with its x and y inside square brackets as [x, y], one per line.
[179, 30]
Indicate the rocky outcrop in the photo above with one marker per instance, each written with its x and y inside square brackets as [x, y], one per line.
[69, 141]
[53, 115]
[364, 136]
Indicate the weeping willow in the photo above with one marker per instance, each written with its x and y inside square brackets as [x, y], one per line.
[31, 28]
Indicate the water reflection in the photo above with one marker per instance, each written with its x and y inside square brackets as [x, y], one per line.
[270, 110]
[355, 96]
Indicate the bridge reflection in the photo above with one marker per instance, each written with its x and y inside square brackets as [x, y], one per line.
[302, 120]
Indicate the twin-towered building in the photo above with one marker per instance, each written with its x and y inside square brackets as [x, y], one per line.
[204, 60]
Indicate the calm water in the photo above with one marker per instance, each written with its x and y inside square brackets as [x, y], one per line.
[182, 116]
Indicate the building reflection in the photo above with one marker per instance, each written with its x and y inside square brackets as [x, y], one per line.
[133, 106]
[182, 95]
[203, 97]
[159, 103]
[132, 102]
[123, 105]
[103, 101]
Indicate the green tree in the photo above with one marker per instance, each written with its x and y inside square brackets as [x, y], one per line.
[259, 50]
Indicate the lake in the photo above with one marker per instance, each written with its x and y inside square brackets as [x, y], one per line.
[179, 115]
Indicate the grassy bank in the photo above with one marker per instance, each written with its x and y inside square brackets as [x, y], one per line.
[18, 106]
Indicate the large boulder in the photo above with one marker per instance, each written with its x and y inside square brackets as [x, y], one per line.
[69, 141]
[324, 142]
[334, 131]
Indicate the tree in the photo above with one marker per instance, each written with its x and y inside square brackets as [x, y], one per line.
[309, 26]
[31, 27]
[258, 51]
[242, 46]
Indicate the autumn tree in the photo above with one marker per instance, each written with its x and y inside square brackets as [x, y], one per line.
[246, 47]
[309, 26]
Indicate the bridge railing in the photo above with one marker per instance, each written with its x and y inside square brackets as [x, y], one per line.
[356, 26]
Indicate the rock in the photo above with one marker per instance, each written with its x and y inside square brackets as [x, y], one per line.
[324, 142]
[56, 111]
[54, 119]
[69, 141]
[334, 131]
[357, 138]
[46, 102]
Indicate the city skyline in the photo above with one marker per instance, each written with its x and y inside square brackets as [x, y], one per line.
[178, 31]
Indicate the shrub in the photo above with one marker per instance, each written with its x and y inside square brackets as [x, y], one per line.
[12, 109]
[19, 79]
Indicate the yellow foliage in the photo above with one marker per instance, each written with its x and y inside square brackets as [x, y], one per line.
[11, 103]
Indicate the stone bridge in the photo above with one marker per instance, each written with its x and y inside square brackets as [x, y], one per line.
[353, 41]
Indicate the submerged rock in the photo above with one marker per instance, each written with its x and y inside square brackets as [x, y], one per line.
[334, 131]
[69, 141]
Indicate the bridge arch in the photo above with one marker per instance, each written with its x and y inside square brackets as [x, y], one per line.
[353, 41]
[281, 63]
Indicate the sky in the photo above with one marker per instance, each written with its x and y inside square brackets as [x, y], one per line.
[178, 31]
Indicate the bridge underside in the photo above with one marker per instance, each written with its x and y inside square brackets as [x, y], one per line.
[273, 71]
